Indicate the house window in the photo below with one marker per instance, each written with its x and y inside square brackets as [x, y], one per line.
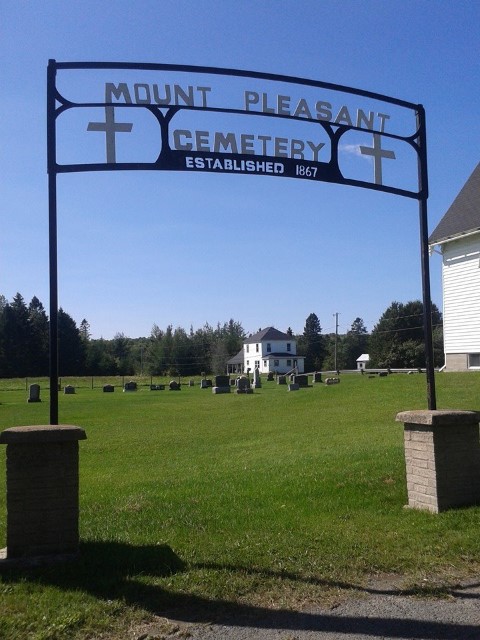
[247, 348]
[257, 363]
[276, 363]
[289, 346]
[257, 348]
[248, 362]
[269, 347]
[289, 363]
[264, 363]
[474, 360]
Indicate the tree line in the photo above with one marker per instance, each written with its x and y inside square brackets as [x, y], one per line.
[395, 341]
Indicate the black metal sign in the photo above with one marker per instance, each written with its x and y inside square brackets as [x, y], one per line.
[230, 121]
[125, 116]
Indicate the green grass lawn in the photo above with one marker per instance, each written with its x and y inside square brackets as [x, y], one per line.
[192, 501]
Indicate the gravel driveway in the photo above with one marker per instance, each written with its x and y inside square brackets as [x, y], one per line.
[375, 613]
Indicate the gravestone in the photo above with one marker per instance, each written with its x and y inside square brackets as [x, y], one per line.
[191, 383]
[34, 393]
[208, 382]
[243, 385]
[317, 376]
[270, 376]
[257, 383]
[69, 390]
[157, 387]
[282, 380]
[108, 388]
[174, 385]
[330, 381]
[293, 386]
[130, 386]
[203, 384]
[222, 384]
[301, 380]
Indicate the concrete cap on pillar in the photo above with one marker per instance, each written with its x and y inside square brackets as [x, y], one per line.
[438, 418]
[42, 433]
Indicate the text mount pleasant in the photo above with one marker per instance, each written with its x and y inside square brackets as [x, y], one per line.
[202, 141]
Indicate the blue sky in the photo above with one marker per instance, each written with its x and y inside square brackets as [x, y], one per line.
[138, 248]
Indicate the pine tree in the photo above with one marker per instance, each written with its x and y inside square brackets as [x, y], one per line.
[85, 330]
[15, 330]
[355, 343]
[71, 349]
[312, 343]
[38, 339]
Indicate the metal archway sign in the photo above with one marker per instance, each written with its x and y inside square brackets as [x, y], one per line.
[208, 119]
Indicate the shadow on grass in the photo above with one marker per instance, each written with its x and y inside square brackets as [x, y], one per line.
[427, 590]
[114, 570]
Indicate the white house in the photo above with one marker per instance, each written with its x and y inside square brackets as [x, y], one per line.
[362, 361]
[457, 238]
[269, 350]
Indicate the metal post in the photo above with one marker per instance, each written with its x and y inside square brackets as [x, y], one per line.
[52, 235]
[336, 337]
[427, 301]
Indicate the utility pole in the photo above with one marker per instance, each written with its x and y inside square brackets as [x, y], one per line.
[336, 337]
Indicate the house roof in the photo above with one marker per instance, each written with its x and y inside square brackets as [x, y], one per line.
[463, 216]
[365, 357]
[270, 333]
[237, 359]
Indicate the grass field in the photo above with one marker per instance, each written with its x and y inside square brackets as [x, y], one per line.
[192, 502]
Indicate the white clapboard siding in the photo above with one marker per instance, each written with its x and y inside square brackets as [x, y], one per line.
[461, 295]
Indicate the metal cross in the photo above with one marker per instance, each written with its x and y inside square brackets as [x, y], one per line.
[378, 153]
[111, 128]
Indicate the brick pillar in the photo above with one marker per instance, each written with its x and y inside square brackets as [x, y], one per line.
[42, 490]
[442, 457]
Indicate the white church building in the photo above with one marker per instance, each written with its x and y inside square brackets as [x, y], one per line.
[269, 350]
[457, 239]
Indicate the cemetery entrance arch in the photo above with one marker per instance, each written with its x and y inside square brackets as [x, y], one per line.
[208, 119]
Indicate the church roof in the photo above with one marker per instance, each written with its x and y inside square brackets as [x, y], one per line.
[270, 333]
[463, 216]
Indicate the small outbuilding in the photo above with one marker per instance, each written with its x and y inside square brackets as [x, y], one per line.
[362, 361]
